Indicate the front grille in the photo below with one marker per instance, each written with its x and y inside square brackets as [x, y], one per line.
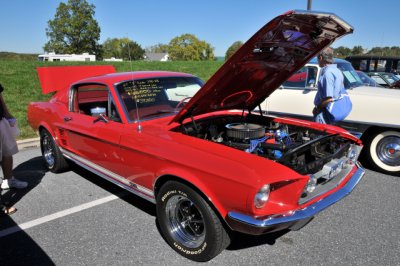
[325, 181]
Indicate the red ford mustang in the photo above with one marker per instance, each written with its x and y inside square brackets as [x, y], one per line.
[210, 163]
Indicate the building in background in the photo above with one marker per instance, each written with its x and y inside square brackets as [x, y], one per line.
[156, 57]
[113, 59]
[51, 57]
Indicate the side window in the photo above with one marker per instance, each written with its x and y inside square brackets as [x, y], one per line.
[363, 65]
[312, 76]
[305, 77]
[93, 100]
[297, 80]
[372, 65]
[381, 66]
[396, 66]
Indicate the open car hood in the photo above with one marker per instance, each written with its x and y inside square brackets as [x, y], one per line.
[265, 61]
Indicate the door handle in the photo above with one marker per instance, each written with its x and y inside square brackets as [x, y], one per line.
[67, 118]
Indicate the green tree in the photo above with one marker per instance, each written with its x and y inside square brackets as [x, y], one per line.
[376, 51]
[132, 51]
[357, 50]
[73, 29]
[188, 47]
[122, 48]
[158, 48]
[112, 48]
[342, 52]
[394, 51]
[385, 51]
[232, 49]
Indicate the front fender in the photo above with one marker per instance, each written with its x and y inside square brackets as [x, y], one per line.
[222, 195]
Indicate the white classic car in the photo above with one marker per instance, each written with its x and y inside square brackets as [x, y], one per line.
[375, 113]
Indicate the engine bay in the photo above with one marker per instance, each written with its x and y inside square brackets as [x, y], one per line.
[303, 149]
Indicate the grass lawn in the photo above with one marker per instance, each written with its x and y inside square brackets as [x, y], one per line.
[21, 83]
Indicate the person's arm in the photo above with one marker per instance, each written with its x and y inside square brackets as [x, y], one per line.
[328, 83]
[7, 114]
[324, 102]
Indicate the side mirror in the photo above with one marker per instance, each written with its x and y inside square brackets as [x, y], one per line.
[101, 118]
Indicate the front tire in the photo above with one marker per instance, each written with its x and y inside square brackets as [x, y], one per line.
[55, 161]
[189, 224]
[382, 150]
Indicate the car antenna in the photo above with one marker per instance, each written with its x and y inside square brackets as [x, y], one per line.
[139, 128]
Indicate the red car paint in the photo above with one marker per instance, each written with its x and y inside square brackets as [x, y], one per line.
[141, 154]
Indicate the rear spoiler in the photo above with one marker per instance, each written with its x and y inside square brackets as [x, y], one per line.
[61, 77]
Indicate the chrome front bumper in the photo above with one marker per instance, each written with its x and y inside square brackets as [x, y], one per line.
[296, 219]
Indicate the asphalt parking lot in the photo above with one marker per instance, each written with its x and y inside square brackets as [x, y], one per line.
[76, 218]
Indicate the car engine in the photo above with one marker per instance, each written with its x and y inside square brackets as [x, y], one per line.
[303, 149]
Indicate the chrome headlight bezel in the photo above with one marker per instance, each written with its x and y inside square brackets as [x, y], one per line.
[352, 154]
[311, 183]
[262, 196]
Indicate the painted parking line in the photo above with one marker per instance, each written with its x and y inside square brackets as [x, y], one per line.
[60, 214]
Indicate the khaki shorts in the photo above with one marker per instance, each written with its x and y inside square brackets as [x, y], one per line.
[8, 145]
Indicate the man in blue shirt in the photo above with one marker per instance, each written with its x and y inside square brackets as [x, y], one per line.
[329, 85]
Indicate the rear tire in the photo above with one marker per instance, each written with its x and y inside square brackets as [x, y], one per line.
[189, 224]
[382, 151]
[54, 160]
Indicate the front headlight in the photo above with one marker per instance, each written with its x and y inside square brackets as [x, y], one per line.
[262, 196]
[352, 155]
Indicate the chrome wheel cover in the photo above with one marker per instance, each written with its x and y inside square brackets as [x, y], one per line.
[185, 221]
[48, 151]
[388, 150]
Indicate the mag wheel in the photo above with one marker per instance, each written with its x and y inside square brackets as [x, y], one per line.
[383, 151]
[52, 156]
[189, 224]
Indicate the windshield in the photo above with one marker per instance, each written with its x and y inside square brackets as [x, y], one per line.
[391, 78]
[154, 97]
[367, 80]
[351, 78]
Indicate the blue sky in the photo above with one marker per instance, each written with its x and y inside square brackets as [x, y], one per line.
[218, 22]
